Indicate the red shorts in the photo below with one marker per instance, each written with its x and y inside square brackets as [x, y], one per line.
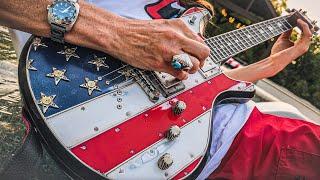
[271, 147]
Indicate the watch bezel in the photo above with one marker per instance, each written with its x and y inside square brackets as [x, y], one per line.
[60, 22]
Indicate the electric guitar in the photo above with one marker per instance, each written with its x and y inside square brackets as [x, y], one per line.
[102, 118]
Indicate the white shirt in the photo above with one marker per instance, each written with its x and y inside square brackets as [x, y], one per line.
[227, 120]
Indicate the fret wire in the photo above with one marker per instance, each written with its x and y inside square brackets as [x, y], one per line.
[276, 27]
[262, 32]
[226, 46]
[216, 54]
[280, 26]
[229, 43]
[238, 29]
[212, 50]
[212, 59]
[242, 45]
[269, 29]
[235, 39]
[251, 35]
[215, 49]
[278, 30]
[213, 56]
[235, 46]
[218, 42]
[283, 27]
[242, 35]
[284, 22]
[289, 25]
[223, 53]
[247, 36]
[254, 32]
[223, 47]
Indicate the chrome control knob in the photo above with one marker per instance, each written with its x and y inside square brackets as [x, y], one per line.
[179, 107]
[165, 161]
[173, 132]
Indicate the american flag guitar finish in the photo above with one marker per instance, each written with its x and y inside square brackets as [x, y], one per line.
[102, 118]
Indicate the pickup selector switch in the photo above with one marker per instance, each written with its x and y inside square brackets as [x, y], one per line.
[173, 132]
[179, 107]
[192, 20]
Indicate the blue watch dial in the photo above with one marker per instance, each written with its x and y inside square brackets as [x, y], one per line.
[64, 11]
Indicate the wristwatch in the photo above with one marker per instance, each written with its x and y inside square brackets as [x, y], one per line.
[62, 14]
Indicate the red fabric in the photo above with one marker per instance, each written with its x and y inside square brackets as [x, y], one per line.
[270, 147]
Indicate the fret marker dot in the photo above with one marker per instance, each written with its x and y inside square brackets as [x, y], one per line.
[279, 24]
[270, 28]
[261, 31]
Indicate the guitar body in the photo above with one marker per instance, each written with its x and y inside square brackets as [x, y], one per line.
[101, 118]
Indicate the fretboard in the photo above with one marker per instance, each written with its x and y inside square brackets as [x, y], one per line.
[227, 45]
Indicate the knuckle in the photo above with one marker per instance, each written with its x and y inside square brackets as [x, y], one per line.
[179, 22]
[304, 48]
[196, 64]
[158, 64]
[171, 34]
[181, 76]
[165, 21]
[206, 52]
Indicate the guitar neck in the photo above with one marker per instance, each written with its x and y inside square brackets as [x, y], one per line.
[227, 45]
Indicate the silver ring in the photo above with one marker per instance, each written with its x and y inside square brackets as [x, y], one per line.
[181, 62]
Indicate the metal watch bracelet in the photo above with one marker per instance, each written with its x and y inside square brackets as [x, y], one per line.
[57, 33]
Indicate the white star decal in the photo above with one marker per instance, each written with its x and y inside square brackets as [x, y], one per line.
[69, 52]
[46, 102]
[91, 85]
[58, 75]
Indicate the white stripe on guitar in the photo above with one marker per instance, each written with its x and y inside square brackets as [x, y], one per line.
[189, 146]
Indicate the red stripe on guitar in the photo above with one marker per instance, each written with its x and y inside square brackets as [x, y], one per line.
[112, 147]
[187, 170]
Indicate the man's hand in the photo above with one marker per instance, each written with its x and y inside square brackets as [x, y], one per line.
[144, 44]
[282, 43]
[152, 44]
[301, 46]
[282, 54]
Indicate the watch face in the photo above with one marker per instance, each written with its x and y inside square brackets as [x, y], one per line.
[63, 11]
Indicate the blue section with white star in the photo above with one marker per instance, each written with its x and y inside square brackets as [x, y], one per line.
[70, 74]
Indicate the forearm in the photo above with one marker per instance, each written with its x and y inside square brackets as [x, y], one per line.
[92, 28]
[265, 68]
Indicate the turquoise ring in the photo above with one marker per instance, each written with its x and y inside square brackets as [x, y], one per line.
[181, 62]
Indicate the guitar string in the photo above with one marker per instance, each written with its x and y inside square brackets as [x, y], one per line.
[211, 56]
[211, 41]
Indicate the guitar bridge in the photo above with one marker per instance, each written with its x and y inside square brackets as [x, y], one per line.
[144, 82]
[156, 83]
[167, 84]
